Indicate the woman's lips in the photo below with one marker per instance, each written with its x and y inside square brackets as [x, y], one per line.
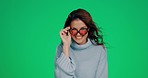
[79, 37]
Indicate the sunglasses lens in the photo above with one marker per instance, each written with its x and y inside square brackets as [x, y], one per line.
[83, 31]
[73, 31]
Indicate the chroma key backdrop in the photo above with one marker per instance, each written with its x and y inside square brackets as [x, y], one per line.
[29, 35]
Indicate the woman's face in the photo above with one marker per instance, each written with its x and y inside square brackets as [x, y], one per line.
[78, 38]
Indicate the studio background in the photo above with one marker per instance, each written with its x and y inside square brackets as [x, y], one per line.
[29, 35]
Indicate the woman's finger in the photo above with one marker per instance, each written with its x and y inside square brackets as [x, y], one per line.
[67, 28]
[69, 33]
[62, 33]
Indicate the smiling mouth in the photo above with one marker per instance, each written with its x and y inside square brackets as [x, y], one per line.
[80, 37]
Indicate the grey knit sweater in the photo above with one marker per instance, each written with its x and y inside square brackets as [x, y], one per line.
[85, 61]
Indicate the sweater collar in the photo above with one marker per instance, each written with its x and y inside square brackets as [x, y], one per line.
[76, 46]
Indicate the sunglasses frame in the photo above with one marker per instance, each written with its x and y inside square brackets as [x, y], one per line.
[78, 31]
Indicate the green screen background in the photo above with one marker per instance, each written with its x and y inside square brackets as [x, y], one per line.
[29, 35]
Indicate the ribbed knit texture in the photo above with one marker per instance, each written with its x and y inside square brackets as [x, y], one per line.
[85, 61]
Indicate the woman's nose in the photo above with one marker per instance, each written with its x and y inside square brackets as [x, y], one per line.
[78, 34]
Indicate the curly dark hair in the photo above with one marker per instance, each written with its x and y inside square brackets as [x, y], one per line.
[94, 33]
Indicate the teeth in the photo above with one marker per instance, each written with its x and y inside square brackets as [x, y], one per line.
[78, 37]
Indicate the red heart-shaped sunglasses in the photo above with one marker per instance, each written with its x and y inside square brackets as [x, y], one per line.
[83, 31]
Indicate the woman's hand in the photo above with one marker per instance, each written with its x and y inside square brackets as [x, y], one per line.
[66, 39]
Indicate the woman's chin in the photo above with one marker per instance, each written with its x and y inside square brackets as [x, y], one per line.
[79, 41]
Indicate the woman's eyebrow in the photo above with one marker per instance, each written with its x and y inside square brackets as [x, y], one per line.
[84, 26]
[81, 27]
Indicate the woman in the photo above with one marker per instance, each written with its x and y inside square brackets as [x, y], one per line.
[82, 53]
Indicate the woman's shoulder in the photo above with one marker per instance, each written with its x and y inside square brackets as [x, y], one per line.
[59, 46]
[59, 50]
[101, 48]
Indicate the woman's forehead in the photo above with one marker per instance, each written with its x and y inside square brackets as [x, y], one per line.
[77, 24]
